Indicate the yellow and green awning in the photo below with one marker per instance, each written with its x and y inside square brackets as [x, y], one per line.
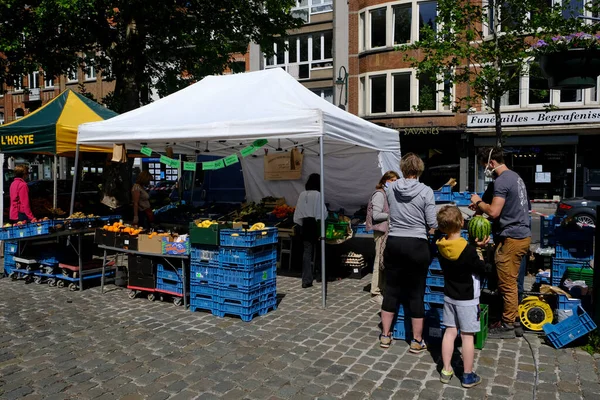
[52, 129]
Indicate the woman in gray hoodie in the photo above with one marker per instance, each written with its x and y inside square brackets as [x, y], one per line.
[407, 257]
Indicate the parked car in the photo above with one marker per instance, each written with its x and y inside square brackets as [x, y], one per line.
[583, 210]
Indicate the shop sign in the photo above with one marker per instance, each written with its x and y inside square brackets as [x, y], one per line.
[535, 118]
[420, 131]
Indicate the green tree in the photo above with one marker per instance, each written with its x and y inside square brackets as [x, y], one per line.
[146, 44]
[483, 48]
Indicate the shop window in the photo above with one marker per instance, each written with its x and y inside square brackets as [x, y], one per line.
[401, 92]
[378, 94]
[402, 23]
[378, 27]
[427, 15]
[539, 92]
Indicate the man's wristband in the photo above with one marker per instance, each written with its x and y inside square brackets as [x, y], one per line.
[477, 204]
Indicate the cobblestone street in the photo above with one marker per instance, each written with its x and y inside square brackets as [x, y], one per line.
[56, 344]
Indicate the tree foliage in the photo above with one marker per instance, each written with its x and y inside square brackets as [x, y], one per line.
[144, 44]
[484, 47]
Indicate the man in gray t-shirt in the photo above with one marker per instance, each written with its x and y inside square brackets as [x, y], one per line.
[510, 209]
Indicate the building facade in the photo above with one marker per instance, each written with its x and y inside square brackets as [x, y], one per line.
[551, 150]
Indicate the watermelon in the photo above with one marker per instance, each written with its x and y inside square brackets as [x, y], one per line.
[479, 228]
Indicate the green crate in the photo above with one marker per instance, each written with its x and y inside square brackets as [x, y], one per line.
[481, 336]
[207, 236]
[336, 230]
[581, 274]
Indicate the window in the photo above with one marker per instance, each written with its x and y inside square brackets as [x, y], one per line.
[402, 23]
[362, 103]
[305, 8]
[1, 118]
[324, 93]
[238, 67]
[18, 84]
[90, 73]
[395, 24]
[401, 92]
[427, 15]
[378, 94]
[539, 92]
[48, 81]
[427, 93]
[571, 96]
[33, 80]
[572, 8]
[378, 27]
[19, 113]
[511, 97]
[72, 75]
[304, 53]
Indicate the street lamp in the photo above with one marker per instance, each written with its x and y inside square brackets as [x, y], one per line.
[343, 81]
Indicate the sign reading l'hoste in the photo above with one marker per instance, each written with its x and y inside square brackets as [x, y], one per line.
[535, 118]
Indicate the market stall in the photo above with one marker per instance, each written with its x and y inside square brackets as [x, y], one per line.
[246, 117]
[52, 130]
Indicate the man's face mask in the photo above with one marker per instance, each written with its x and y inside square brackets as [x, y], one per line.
[489, 172]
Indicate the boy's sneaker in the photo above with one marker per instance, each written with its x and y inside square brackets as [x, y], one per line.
[502, 331]
[417, 347]
[445, 376]
[470, 380]
[385, 341]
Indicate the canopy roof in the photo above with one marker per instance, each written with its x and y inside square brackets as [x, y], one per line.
[53, 127]
[221, 113]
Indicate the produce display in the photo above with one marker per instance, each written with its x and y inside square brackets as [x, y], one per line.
[206, 223]
[122, 228]
[479, 228]
[283, 211]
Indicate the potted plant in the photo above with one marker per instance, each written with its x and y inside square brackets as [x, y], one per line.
[569, 62]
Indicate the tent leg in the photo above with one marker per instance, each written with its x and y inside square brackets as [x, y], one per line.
[322, 239]
[74, 180]
[55, 179]
[2, 191]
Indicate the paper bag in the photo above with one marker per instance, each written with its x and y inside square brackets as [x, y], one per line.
[119, 153]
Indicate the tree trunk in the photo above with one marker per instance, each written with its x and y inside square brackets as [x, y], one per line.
[498, 124]
[127, 87]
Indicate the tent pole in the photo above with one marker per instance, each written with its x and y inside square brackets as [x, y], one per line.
[322, 238]
[54, 178]
[2, 191]
[74, 180]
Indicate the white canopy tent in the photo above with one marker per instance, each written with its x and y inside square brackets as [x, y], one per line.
[223, 114]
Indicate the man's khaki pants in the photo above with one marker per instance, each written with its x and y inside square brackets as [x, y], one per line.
[509, 254]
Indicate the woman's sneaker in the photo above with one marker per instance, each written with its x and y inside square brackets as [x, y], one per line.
[470, 380]
[445, 376]
[385, 341]
[417, 347]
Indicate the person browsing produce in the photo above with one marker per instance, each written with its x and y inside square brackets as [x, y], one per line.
[20, 209]
[142, 213]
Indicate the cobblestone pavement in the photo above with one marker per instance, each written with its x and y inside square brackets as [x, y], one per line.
[56, 344]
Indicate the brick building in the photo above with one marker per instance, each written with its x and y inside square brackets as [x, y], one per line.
[553, 155]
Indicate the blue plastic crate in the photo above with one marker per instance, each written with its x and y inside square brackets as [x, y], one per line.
[464, 234]
[21, 231]
[248, 238]
[572, 328]
[208, 289]
[434, 296]
[203, 254]
[435, 281]
[243, 279]
[9, 259]
[248, 313]
[429, 309]
[169, 286]
[49, 260]
[441, 197]
[582, 251]
[205, 273]
[260, 292]
[463, 199]
[246, 258]
[559, 267]
[204, 302]
[11, 248]
[4, 234]
[8, 268]
[435, 265]
[402, 329]
[543, 280]
[361, 229]
[565, 303]
[168, 273]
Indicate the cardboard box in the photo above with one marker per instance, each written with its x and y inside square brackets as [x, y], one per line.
[148, 245]
[169, 246]
[126, 241]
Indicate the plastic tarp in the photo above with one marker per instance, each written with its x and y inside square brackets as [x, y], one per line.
[223, 114]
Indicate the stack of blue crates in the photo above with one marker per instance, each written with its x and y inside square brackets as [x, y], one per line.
[573, 249]
[169, 280]
[237, 278]
[10, 250]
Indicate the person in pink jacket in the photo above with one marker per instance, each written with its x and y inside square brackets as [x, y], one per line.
[19, 196]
